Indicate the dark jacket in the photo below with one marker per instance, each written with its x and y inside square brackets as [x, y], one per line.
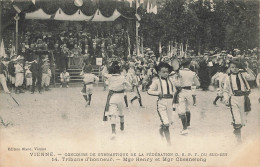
[2, 68]
[11, 69]
[36, 68]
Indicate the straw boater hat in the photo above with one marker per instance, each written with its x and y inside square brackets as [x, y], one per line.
[206, 53]
[20, 58]
[230, 56]
[45, 59]
[150, 52]
[152, 55]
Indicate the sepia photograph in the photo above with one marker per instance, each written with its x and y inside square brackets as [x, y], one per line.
[129, 83]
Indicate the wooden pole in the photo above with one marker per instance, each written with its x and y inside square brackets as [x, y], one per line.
[136, 31]
[16, 32]
[1, 26]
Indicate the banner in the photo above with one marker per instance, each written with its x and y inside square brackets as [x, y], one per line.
[99, 61]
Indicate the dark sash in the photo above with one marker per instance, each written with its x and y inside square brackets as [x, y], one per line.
[176, 95]
[137, 90]
[240, 93]
[110, 93]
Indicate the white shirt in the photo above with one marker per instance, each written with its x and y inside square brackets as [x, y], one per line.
[118, 83]
[90, 78]
[234, 82]
[188, 78]
[64, 75]
[18, 68]
[160, 86]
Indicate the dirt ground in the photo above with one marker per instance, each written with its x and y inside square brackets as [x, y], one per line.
[58, 122]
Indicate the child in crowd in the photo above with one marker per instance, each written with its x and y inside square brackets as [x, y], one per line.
[130, 74]
[164, 89]
[137, 81]
[124, 73]
[104, 73]
[193, 87]
[219, 79]
[89, 79]
[114, 105]
[64, 78]
[186, 79]
[46, 76]
[236, 95]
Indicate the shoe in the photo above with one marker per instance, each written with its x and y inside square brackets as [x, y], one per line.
[67, 86]
[113, 136]
[194, 104]
[7, 92]
[122, 126]
[142, 106]
[184, 132]
[161, 132]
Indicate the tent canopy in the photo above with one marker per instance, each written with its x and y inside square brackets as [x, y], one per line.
[77, 16]
[90, 10]
[38, 14]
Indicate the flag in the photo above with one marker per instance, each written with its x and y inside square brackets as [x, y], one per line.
[12, 51]
[169, 49]
[148, 7]
[186, 48]
[128, 45]
[2, 49]
[137, 4]
[154, 10]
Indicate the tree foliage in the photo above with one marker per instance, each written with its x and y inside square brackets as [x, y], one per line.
[204, 24]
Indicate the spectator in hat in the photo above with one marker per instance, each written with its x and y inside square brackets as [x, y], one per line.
[64, 56]
[204, 73]
[36, 69]
[11, 73]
